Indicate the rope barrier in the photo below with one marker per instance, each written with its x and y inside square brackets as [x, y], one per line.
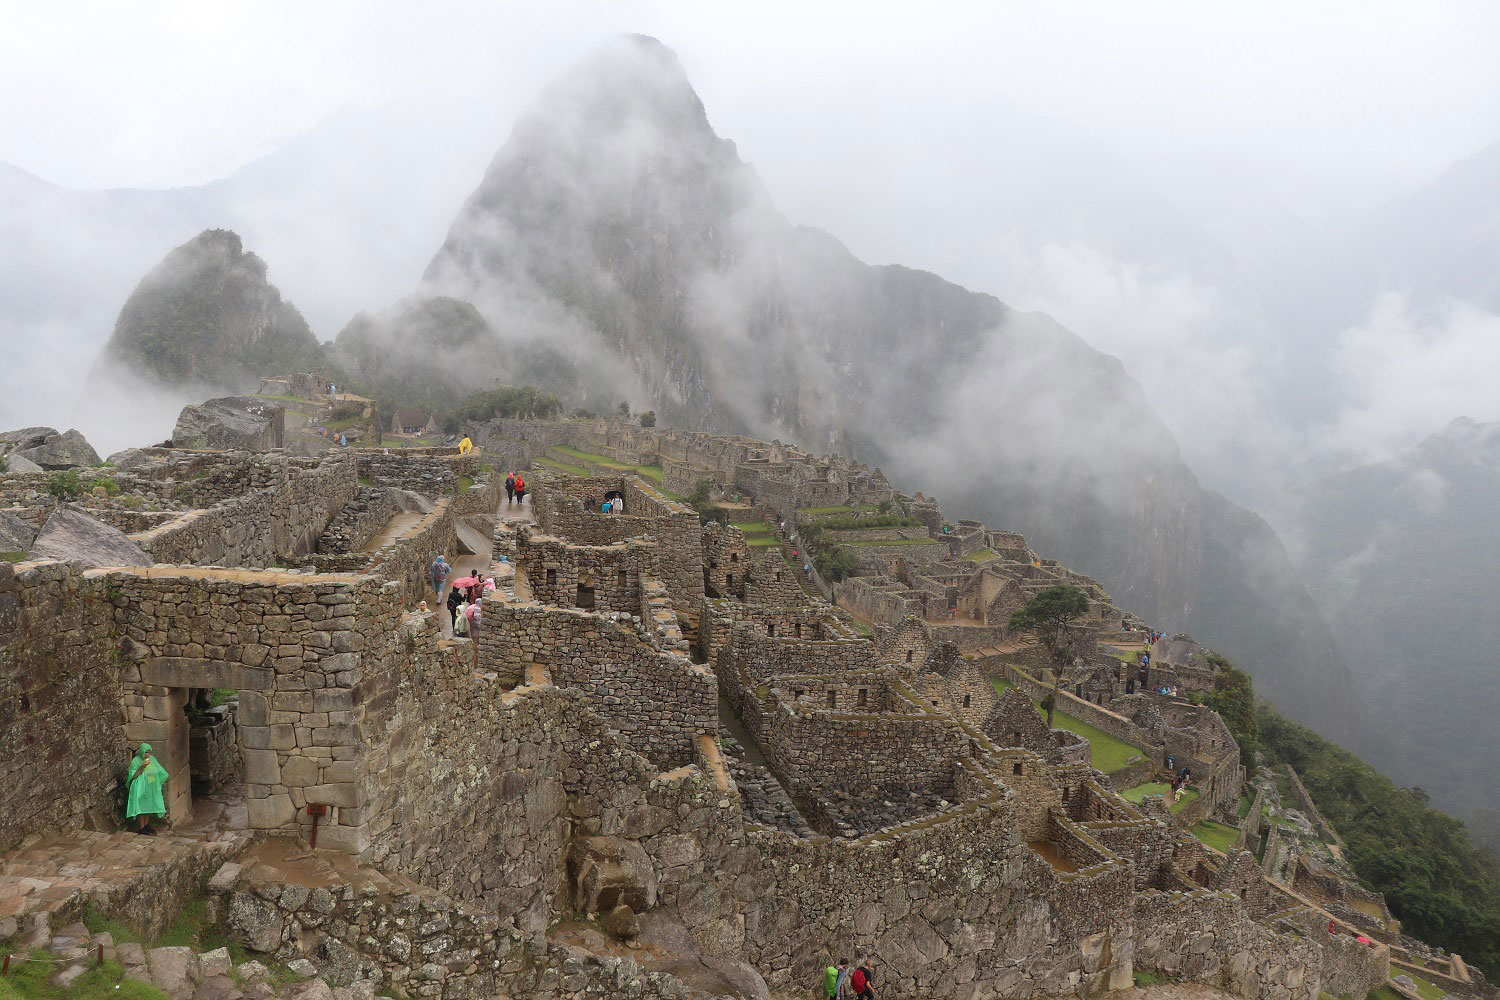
[11, 959]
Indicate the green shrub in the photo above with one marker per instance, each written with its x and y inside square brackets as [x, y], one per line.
[65, 484]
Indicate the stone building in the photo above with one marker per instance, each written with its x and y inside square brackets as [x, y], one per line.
[570, 760]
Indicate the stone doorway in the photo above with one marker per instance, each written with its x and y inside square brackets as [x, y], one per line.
[200, 743]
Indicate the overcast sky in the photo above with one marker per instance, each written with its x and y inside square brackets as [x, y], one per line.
[1194, 129]
[1345, 94]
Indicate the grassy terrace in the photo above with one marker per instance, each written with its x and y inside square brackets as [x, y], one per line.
[761, 541]
[1139, 792]
[825, 511]
[651, 472]
[751, 527]
[866, 543]
[981, 555]
[563, 467]
[1428, 990]
[1107, 753]
[1219, 836]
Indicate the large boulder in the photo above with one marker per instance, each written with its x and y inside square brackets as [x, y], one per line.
[20, 464]
[130, 459]
[609, 871]
[231, 423]
[47, 448]
[15, 534]
[69, 534]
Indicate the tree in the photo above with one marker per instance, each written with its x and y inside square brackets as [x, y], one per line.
[1048, 616]
[648, 419]
[1233, 697]
[624, 409]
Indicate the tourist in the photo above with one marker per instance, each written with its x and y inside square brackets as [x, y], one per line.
[510, 488]
[841, 986]
[862, 981]
[455, 598]
[465, 446]
[475, 615]
[831, 981]
[440, 571]
[143, 789]
[520, 490]
[461, 619]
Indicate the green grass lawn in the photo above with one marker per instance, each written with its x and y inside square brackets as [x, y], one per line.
[651, 472]
[1108, 753]
[1139, 792]
[981, 555]
[1246, 801]
[1219, 836]
[815, 511]
[1426, 989]
[873, 542]
[563, 467]
[761, 541]
[751, 527]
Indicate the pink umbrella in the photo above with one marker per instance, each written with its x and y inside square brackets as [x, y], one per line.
[465, 581]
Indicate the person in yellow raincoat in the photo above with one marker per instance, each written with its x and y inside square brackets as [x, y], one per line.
[144, 785]
[465, 446]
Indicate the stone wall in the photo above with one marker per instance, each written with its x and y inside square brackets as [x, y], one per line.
[407, 560]
[601, 577]
[61, 749]
[359, 521]
[827, 752]
[290, 644]
[657, 697]
[761, 656]
[432, 472]
[214, 752]
[282, 520]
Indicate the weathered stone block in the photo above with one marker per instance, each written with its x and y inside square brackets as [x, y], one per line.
[271, 812]
[261, 767]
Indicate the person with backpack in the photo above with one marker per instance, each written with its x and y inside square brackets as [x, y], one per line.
[440, 570]
[862, 981]
[833, 978]
[510, 488]
[520, 490]
[461, 619]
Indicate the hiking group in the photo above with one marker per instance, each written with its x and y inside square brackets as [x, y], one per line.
[515, 488]
[842, 983]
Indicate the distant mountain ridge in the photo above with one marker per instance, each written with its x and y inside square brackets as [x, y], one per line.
[207, 315]
[617, 228]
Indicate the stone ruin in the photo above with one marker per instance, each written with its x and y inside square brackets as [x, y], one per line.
[653, 737]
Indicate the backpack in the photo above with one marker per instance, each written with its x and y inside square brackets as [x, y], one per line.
[858, 981]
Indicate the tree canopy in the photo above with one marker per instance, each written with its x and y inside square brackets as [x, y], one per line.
[1051, 613]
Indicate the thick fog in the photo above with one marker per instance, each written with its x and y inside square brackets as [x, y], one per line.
[1191, 190]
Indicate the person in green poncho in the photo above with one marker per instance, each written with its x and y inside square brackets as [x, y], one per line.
[145, 783]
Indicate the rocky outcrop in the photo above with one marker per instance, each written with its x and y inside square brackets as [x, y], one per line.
[46, 448]
[70, 535]
[231, 423]
[20, 465]
[206, 315]
[15, 534]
